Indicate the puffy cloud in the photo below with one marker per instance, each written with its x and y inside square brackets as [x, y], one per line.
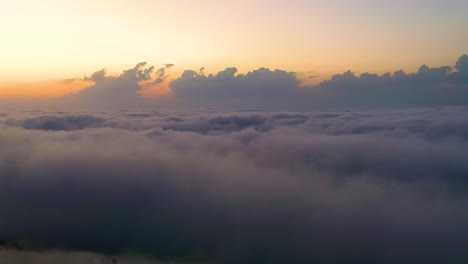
[160, 75]
[225, 187]
[120, 91]
[278, 89]
[266, 89]
[462, 64]
[461, 76]
[427, 87]
[262, 87]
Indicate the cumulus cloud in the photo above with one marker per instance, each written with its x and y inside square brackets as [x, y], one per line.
[278, 89]
[239, 187]
[161, 75]
[266, 89]
[262, 87]
[461, 76]
[119, 91]
[427, 87]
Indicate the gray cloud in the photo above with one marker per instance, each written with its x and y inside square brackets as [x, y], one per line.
[278, 89]
[243, 187]
[265, 89]
[428, 87]
[461, 76]
[15, 256]
[114, 92]
[58, 122]
[160, 75]
[262, 87]
[431, 123]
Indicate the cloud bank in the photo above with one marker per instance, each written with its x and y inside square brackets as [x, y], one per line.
[281, 90]
[428, 87]
[239, 187]
[265, 89]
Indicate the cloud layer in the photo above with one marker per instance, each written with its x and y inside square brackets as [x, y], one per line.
[239, 187]
[15, 256]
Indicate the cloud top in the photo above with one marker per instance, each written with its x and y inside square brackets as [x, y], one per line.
[239, 187]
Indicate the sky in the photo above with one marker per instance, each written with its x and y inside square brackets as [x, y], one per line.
[53, 40]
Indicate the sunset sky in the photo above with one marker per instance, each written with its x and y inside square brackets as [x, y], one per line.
[44, 40]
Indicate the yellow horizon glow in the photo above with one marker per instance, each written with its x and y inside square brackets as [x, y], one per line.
[41, 89]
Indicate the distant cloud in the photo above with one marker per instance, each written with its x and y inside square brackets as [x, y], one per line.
[265, 88]
[118, 91]
[58, 122]
[262, 87]
[429, 86]
[461, 76]
[462, 64]
[160, 75]
[273, 89]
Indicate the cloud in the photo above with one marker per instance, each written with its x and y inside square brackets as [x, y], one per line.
[431, 123]
[427, 87]
[462, 64]
[14, 256]
[160, 76]
[262, 87]
[278, 89]
[239, 187]
[112, 91]
[119, 91]
[265, 89]
[461, 76]
[58, 122]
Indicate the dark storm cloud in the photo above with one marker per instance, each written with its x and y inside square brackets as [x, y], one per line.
[312, 187]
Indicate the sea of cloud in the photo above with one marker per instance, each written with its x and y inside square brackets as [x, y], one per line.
[360, 186]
